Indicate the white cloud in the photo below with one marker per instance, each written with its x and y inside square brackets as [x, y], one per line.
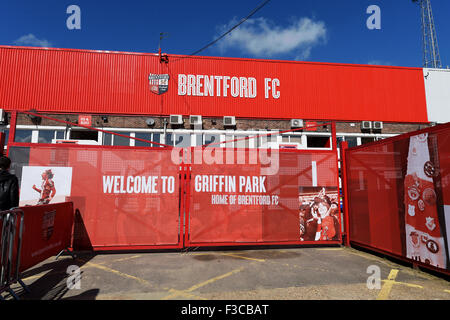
[31, 40]
[261, 37]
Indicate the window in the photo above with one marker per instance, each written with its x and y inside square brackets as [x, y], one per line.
[169, 139]
[84, 135]
[318, 142]
[296, 139]
[107, 139]
[258, 141]
[121, 141]
[198, 139]
[263, 141]
[115, 140]
[147, 136]
[242, 143]
[367, 140]
[183, 140]
[23, 135]
[228, 137]
[6, 132]
[292, 139]
[156, 138]
[46, 136]
[212, 138]
[352, 141]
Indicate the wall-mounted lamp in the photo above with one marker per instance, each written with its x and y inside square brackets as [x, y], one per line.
[150, 122]
[105, 119]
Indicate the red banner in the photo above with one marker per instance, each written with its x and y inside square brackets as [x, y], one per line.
[123, 197]
[47, 231]
[276, 197]
[399, 199]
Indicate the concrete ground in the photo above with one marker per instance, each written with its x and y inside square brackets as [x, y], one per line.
[337, 273]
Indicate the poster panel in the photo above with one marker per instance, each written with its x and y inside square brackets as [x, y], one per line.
[44, 185]
[424, 237]
[319, 214]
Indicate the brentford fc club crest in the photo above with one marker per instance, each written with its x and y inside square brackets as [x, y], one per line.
[48, 223]
[159, 83]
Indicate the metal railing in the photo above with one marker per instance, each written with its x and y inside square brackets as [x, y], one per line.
[11, 247]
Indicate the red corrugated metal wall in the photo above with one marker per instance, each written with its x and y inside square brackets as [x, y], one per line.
[63, 80]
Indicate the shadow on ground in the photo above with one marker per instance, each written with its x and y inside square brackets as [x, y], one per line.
[52, 282]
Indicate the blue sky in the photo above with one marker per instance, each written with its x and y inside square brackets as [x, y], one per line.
[311, 30]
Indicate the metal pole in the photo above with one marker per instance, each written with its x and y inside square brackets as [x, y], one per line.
[4, 247]
[344, 147]
[12, 236]
[12, 130]
[19, 243]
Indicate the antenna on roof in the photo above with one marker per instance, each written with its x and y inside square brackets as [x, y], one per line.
[162, 35]
[431, 56]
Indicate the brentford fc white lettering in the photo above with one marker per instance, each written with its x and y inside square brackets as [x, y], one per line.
[225, 86]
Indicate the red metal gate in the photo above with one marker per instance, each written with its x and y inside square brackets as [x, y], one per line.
[126, 197]
[292, 199]
[398, 196]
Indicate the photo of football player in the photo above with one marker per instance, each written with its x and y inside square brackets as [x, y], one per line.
[325, 222]
[308, 225]
[318, 217]
[48, 190]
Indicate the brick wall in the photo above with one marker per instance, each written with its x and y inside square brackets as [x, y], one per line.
[213, 123]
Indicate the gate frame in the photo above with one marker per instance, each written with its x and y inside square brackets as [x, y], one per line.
[344, 147]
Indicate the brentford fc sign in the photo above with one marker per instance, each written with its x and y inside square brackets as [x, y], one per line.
[215, 86]
[159, 83]
[225, 86]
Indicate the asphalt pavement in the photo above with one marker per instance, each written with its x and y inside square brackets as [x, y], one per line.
[337, 273]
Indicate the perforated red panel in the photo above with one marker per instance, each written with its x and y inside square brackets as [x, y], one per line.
[252, 196]
[125, 197]
[398, 196]
[259, 202]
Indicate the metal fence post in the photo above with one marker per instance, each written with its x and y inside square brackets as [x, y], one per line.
[9, 270]
[344, 147]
